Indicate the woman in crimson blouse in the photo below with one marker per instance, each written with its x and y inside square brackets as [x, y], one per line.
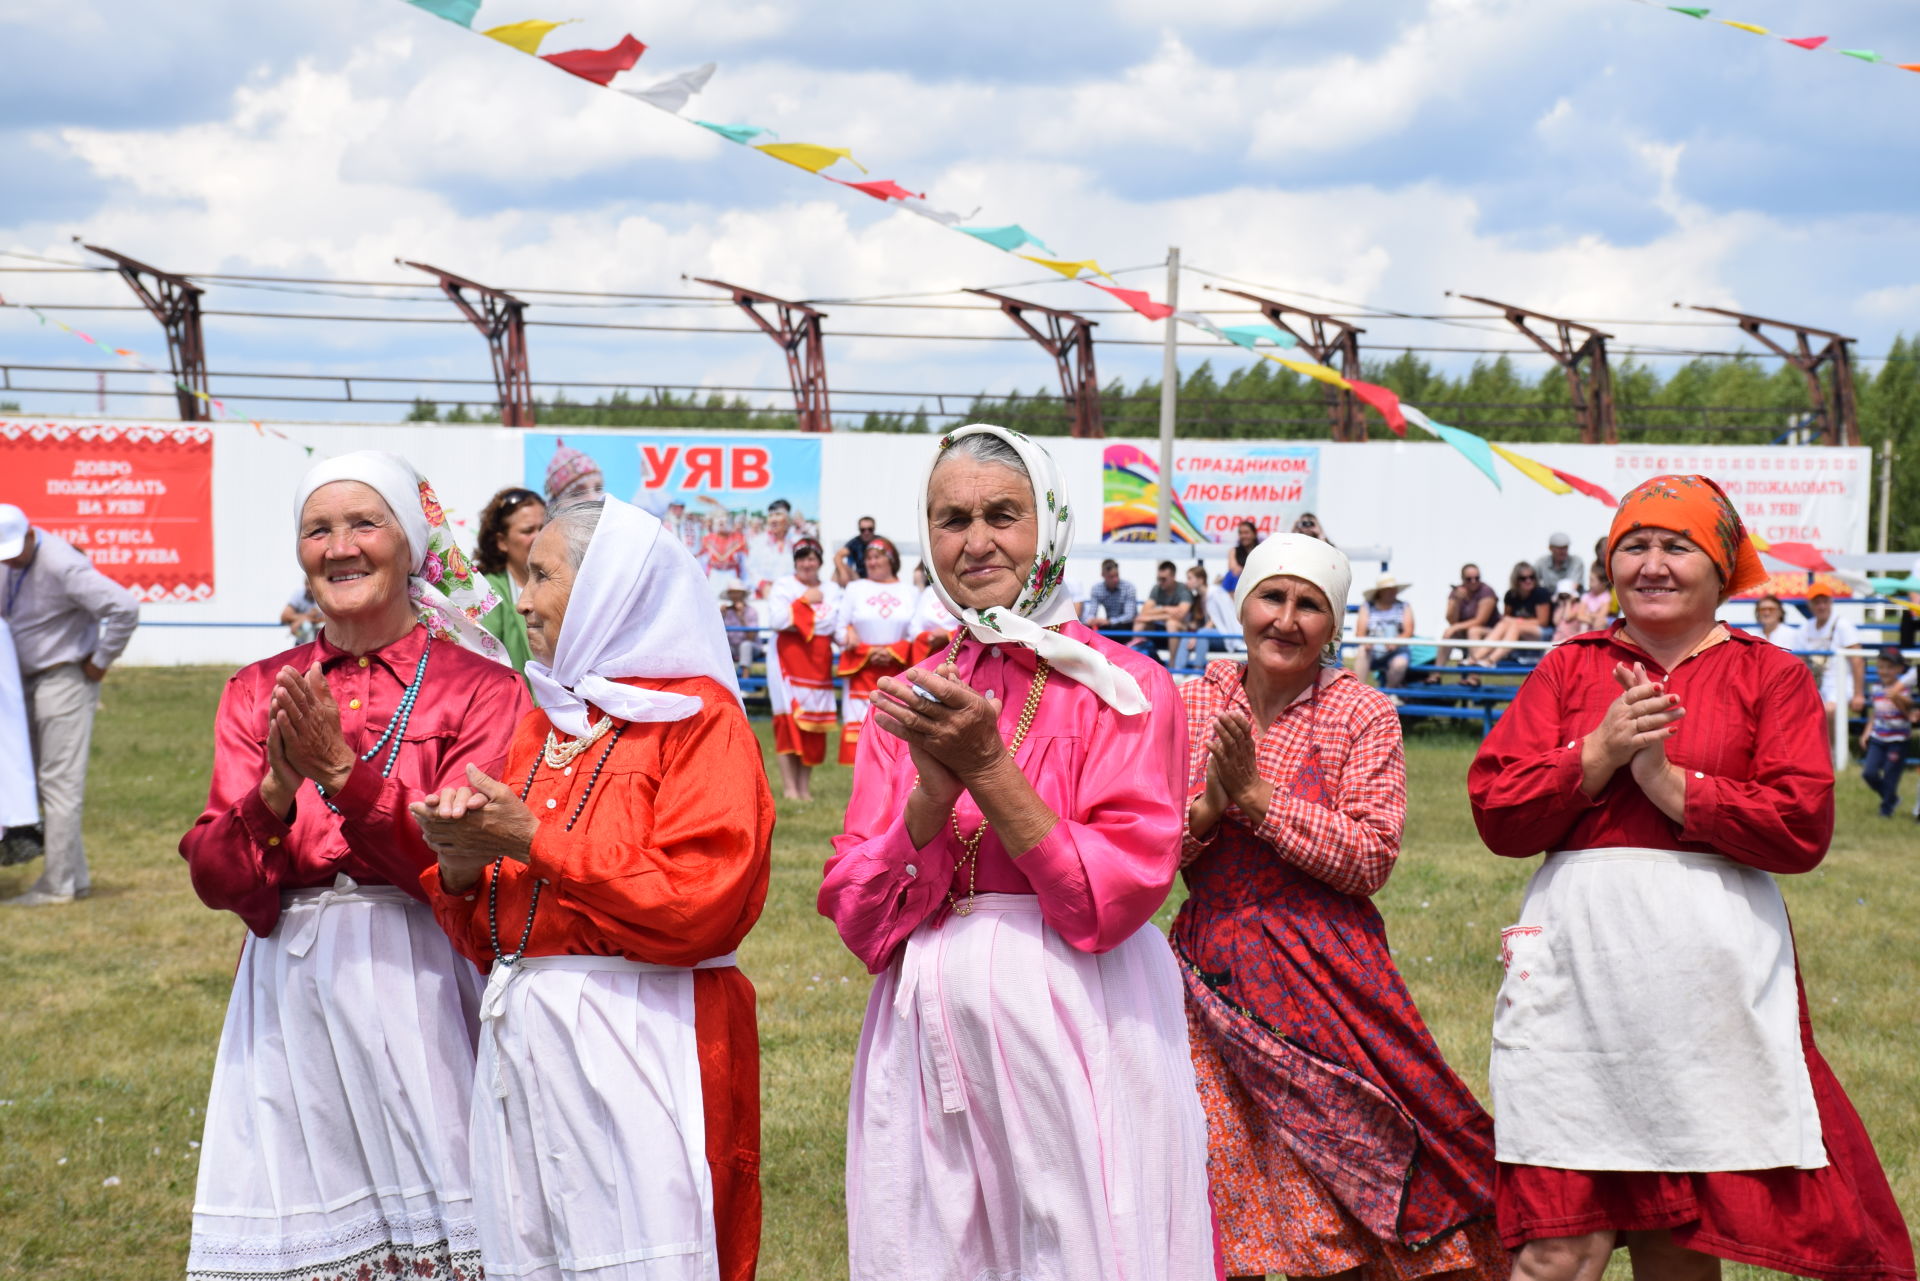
[1655, 1081]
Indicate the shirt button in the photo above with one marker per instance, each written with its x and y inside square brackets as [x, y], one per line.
[1698, 774]
[912, 870]
[363, 660]
[355, 704]
[471, 897]
[568, 771]
[273, 840]
[552, 804]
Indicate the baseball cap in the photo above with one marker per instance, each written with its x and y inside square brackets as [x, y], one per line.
[13, 531]
[1559, 540]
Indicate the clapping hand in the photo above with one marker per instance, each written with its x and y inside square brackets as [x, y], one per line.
[953, 740]
[304, 711]
[469, 827]
[1636, 724]
[1233, 767]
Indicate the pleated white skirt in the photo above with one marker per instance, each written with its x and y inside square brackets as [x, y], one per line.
[336, 1130]
[1024, 1111]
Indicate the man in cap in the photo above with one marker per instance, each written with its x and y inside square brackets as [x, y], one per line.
[69, 623]
[1559, 563]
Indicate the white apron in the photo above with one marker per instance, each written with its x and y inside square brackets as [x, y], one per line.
[1650, 1019]
[589, 1126]
[336, 1130]
[19, 792]
[1025, 1111]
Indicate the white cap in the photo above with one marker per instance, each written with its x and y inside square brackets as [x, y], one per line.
[723, 582]
[1568, 587]
[1559, 540]
[13, 531]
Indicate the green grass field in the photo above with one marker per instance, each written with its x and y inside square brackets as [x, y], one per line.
[112, 1007]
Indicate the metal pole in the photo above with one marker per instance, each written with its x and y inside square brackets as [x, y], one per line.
[1886, 488]
[1169, 397]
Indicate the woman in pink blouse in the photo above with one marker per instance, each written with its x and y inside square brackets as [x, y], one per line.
[336, 1132]
[1023, 1100]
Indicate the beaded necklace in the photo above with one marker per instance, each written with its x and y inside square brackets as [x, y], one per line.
[533, 905]
[970, 845]
[396, 726]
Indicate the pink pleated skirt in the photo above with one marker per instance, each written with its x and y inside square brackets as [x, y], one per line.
[1024, 1110]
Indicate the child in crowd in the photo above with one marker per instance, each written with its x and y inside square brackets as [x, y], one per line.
[1888, 726]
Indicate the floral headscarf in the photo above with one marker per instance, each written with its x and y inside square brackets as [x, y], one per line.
[449, 597]
[1042, 603]
[1698, 508]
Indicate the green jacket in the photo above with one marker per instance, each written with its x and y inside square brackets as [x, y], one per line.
[505, 622]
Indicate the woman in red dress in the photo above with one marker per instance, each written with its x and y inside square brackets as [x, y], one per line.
[1655, 1081]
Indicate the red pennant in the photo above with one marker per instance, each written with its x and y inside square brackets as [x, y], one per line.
[1139, 300]
[882, 189]
[1801, 556]
[1586, 487]
[1806, 42]
[1385, 402]
[598, 65]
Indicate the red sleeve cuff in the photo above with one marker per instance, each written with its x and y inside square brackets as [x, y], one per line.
[1568, 774]
[361, 791]
[1702, 804]
[262, 824]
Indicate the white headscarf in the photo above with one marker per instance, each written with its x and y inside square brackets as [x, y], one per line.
[1299, 556]
[449, 597]
[640, 607]
[1043, 600]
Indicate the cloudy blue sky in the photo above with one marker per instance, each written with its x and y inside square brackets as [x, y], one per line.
[1600, 158]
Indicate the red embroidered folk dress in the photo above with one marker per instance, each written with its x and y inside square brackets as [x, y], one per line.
[1338, 1137]
[1759, 792]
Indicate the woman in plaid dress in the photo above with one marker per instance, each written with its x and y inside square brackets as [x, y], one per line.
[1339, 1140]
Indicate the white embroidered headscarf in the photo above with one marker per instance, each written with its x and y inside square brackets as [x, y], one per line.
[1043, 601]
[1299, 556]
[447, 595]
[640, 607]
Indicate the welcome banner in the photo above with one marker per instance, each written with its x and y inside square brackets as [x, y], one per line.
[1216, 485]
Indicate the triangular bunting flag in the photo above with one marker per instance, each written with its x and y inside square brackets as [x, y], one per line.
[524, 36]
[1689, 10]
[1383, 401]
[1319, 373]
[735, 133]
[1801, 556]
[1586, 487]
[1009, 238]
[598, 65]
[1865, 55]
[673, 94]
[808, 155]
[1470, 446]
[460, 11]
[1539, 473]
[941, 216]
[1805, 42]
[1745, 26]
[1199, 321]
[1071, 270]
[882, 189]
[1249, 336]
[1138, 299]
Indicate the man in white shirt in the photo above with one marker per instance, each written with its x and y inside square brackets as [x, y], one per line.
[69, 623]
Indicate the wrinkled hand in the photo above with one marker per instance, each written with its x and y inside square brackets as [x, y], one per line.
[1233, 765]
[282, 783]
[960, 733]
[469, 827]
[309, 723]
[1643, 717]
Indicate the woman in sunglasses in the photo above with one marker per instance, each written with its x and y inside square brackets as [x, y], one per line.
[1527, 616]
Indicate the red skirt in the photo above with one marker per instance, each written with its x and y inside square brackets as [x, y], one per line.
[791, 738]
[1837, 1223]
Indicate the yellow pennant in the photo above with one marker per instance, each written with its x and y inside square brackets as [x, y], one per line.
[1319, 373]
[524, 36]
[1745, 26]
[1539, 473]
[1071, 270]
[809, 156]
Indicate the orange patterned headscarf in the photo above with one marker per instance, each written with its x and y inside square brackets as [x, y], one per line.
[1698, 508]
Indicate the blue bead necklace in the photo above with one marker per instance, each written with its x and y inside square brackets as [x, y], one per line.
[396, 727]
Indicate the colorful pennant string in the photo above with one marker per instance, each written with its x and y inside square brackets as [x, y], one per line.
[1810, 43]
[598, 65]
[883, 189]
[524, 36]
[1008, 238]
[1251, 336]
[1138, 299]
[672, 94]
[1539, 473]
[460, 12]
[1071, 270]
[810, 156]
[1383, 402]
[741, 134]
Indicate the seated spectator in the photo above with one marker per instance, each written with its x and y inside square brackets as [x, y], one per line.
[1529, 613]
[1559, 564]
[1597, 603]
[1168, 605]
[1472, 609]
[1211, 611]
[850, 562]
[737, 611]
[1309, 524]
[301, 617]
[1383, 613]
[1569, 616]
[1774, 627]
[1112, 604]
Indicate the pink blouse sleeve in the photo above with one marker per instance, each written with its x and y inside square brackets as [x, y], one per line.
[237, 851]
[878, 888]
[1105, 869]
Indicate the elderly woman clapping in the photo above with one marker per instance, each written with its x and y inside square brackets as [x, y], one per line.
[1298, 798]
[1023, 1101]
[336, 1133]
[1654, 1075]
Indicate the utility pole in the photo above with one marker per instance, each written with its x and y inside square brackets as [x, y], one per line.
[799, 335]
[1839, 413]
[502, 320]
[1169, 399]
[1326, 339]
[1886, 488]
[1591, 388]
[175, 303]
[1069, 340]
